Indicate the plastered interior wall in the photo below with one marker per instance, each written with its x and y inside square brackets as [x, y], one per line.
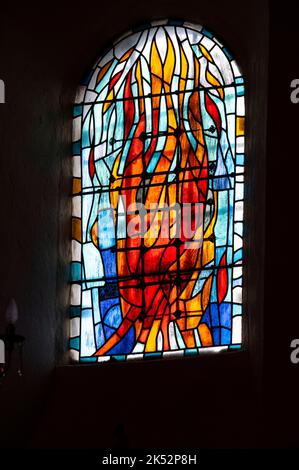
[44, 51]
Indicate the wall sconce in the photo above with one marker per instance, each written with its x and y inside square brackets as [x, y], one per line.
[10, 341]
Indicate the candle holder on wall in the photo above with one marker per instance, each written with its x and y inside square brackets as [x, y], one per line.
[10, 342]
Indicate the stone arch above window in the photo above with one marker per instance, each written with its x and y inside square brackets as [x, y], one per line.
[158, 185]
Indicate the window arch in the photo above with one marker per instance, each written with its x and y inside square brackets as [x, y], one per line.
[158, 184]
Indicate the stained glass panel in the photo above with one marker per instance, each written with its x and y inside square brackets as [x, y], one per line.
[158, 197]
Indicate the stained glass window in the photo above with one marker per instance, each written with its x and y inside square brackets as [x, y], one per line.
[158, 194]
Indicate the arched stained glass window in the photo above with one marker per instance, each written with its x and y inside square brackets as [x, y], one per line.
[158, 167]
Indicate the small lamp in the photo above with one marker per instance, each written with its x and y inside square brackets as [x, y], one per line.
[10, 340]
